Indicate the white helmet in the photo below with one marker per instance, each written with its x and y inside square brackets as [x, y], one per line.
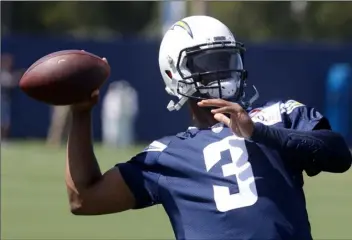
[200, 58]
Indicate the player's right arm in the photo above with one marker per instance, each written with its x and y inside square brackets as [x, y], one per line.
[126, 186]
[90, 192]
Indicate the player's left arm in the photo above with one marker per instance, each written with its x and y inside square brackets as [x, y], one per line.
[310, 139]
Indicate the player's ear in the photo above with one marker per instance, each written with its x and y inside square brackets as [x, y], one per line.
[191, 106]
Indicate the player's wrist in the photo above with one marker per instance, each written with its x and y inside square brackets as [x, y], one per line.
[258, 132]
[79, 112]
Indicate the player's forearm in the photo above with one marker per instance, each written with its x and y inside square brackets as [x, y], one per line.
[82, 169]
[320, 150]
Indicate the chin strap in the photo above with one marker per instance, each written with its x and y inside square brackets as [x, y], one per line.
[247, 104]
[176, 106]
[172, 106]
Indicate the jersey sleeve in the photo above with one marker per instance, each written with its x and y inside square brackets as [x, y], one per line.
[142, 173]
[304, 118]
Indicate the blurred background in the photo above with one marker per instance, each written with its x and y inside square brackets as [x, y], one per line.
[295, 50]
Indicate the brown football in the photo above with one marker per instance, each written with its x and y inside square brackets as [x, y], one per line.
[65, 77]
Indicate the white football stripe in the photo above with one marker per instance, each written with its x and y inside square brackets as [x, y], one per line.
[155, 146]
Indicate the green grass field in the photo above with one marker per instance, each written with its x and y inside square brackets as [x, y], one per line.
[34, 203]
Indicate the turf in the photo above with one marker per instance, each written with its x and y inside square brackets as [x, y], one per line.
[34, 203]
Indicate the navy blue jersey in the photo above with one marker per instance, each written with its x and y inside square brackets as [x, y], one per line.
[215, 185]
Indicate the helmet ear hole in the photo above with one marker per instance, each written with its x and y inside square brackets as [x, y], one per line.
[245, 74]
[168, 73]
[242, 57]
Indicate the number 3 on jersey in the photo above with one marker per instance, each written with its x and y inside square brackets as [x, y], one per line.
[240, 168]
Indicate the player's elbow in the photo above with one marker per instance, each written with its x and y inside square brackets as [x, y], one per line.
[339, 156]
[333, 154]
[346, 167]
[75, 203]
[79, 208]
[342, 156]
[344, 163]
[76, 209]
[78, 203]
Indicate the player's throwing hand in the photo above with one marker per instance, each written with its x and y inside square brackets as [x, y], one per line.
[89, 103]
[239, 120]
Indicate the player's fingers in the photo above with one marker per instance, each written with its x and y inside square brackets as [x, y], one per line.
[230, 122]
[214, 103]
[234, 125]
[220, 103]
[236, 131]
[227, 109]
[223, 119]
[105, 60]
[95, 93]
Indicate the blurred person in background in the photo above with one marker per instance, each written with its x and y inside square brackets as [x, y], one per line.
[8, 81]
[58, 125]
[236, 173]
[120, 108]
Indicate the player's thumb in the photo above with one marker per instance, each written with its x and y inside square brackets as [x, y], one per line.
[95, 93]
[95, 96]
[223, 119]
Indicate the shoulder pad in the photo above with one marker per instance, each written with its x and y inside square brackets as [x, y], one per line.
[268, 115]
[254, 111]
[289, 106]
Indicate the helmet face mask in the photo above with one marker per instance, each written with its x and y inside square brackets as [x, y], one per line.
[215, 70]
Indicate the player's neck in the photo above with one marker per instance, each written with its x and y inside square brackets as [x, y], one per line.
[204, 122]
[201, 117]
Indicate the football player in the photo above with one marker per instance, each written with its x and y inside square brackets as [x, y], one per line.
[235, 174]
